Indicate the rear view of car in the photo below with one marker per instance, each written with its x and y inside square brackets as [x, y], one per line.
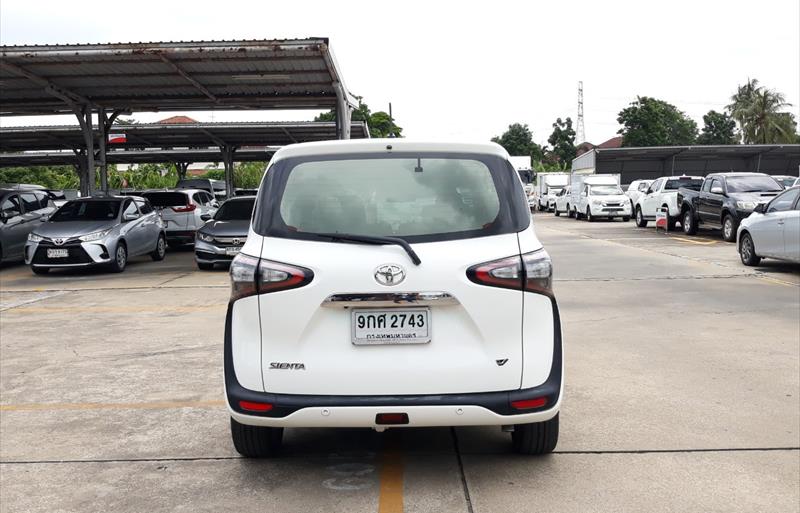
[389, 284]
[182, 211]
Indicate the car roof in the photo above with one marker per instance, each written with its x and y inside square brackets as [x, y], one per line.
[102, 198]
[174, 191]
[738, 174]
[240, 198]
[382, 146]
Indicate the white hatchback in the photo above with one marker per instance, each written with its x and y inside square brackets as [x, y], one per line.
[389, 283]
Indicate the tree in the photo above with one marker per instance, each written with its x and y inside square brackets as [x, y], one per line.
[518, 141]
[652, 122]
[563, 142]
[757, 110]
[719, 128]
[379, 123]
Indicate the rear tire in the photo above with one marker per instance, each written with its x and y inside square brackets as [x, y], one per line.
[747, 250]
[641, 222]
[689, 226]
[256, 441]
[160, 252]
[40, 270]
[556, 212]
[537, 438]
[570, 213]
[626, 219]
[205, 267]
[729, 226]
[120, 260]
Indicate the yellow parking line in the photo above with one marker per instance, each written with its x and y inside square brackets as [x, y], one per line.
[157, 405]
[390, 498]
[108, 309]
[702, 242]
[777, 282]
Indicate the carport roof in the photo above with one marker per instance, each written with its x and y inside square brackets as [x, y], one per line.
[169, 76]
[66, 158]
[192, 135]
[742, 151]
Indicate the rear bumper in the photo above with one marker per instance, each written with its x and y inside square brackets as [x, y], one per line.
[470, 409]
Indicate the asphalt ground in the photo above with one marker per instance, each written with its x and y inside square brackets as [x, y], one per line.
[682, 394]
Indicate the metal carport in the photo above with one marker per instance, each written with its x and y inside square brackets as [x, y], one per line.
[653, 162]
[113, 79]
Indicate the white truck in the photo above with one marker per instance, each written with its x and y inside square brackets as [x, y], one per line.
[594, 196]
[547, 186]
[663, 193]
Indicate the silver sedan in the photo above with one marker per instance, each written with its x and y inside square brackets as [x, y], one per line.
[105, 231]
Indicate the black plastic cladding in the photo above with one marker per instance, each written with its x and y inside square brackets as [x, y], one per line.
[498, 402]
[514, 213]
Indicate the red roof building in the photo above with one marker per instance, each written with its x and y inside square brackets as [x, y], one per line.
[177, 120]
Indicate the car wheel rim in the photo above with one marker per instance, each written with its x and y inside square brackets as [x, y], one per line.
[747, 248]
[639, 216]
[120, 256]
[161, 248]
[728, 228]
[687, 221]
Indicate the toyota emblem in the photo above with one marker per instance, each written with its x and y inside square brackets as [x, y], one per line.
[390, 274]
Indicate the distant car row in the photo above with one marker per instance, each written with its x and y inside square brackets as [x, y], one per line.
[109, 230]
[753, 209]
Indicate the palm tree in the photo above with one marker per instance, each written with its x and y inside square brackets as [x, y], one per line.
[757, 110]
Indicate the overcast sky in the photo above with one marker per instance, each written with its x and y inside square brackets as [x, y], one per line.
[469, 69]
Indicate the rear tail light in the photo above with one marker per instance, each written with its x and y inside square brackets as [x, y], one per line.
[531, 272]
[186, 208]
[252, 406]
[251, 276]
[391, 418]
[529, 404]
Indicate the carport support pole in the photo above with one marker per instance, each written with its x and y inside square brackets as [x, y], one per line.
[343, 113]
[102, 125]
[84, 115]
[227, 159]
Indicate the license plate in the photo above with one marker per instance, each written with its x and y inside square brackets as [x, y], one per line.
[232, 251]
[57, 253]
[391, 326]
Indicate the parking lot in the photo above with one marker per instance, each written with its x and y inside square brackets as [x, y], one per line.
[682, 394]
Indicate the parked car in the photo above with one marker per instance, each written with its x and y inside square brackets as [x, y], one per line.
[21, 212]
[785, 180]
[561, 201]
[370, 267]
[224, 234]
[663, 193]
[772, 230]
[57, 195]
[598, 200]
[578, 181]
[636, 189]
[547, 186]
[182, 212]
[724, 200]
[215, 187]
[105, 231]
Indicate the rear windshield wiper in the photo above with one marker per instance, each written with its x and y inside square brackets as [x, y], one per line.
[372, 239]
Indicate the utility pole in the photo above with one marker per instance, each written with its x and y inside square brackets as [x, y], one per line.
[581, 132]
[391, 120]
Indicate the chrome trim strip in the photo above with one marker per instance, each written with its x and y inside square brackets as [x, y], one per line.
[379, 299]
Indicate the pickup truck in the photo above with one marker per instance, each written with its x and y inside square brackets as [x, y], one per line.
[663, 193]
[724, 200]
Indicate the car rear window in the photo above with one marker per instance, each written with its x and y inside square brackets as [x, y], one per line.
[239, 210]
[166, 199]
[417, 197]
[689, 183]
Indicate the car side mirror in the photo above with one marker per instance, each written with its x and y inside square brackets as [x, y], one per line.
[130, 217]
[760, 208]
[717, 190]
[205, 217]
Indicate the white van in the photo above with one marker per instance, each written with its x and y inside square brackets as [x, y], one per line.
[596, 196]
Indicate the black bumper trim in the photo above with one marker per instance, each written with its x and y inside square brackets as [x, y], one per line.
[498, 402]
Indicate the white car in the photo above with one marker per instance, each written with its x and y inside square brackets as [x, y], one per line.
[602, 201]
[636, 189]
[182, 210]
[772, 230]
[561, 201]
[389, 283]
[663, 193]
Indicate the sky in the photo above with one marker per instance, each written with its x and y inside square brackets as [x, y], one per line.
[466, 70]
